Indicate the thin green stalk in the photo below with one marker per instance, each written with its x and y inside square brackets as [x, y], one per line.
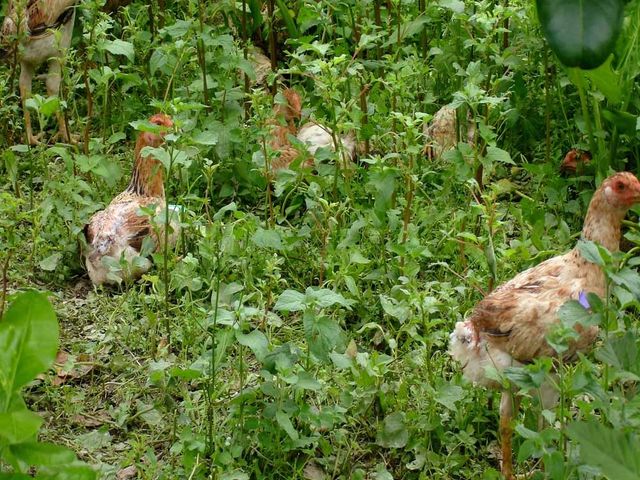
[202, 59]
[210, 390]
[165, 256]
[577, 78]
[547, 107]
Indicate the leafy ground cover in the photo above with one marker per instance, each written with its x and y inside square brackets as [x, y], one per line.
[299, 329]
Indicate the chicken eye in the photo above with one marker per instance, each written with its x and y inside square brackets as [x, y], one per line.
[620, 186]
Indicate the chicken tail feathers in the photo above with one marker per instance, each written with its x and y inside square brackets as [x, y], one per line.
[476, 355]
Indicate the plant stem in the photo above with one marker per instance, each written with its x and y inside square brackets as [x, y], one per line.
[577, 78]
[202, 60]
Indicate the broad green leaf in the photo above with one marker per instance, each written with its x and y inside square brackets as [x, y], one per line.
[323, 334]
[448, 395]
[606, 80]
[613, 451]
[307, 382]
[621, 352]
[159, 59]
[290, 301]
[327, 298]
[18, 426]
[495, 154]
[36, 453]
[159, 154]
[627, 278]
[256, 341]
[206, 137]
[267, 239]
[235, 475]
[590, 252]
[572, 313]
[50, 106]
[76, 471]
[582, 33]
[285, 423]
[456, 6]
[397, 309]
[28, 340]
[120, 47]
[624, 121]
[51, 262]
[393, 432]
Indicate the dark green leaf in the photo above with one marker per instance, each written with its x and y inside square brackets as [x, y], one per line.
[256, 341]
[290, 301]
[36, 453]
[582, 33]
[285, 423]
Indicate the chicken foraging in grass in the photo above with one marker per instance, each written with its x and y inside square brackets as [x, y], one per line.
[575, 161]
[508, 327]
[311, 134]
[284, 123]
[41, 32]
[119, 230]
[316, 136]
[441, 133]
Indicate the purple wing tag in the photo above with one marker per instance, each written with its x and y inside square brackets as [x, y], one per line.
[582, 299]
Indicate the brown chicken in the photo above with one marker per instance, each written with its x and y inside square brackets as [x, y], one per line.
[43, 29]
[311, 134]
[575, 161]
[508, 327]
[118, 231]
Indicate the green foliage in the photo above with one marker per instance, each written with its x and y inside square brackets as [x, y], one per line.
[300, 328]
[582, 33]
[28, 346]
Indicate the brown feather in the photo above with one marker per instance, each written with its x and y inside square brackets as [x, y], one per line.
[38, 16]
[516, 317]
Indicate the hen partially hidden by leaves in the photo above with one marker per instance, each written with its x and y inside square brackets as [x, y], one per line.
[442, 133]
[307, 140]
[116, 235]
[43, 28]
[509, 326]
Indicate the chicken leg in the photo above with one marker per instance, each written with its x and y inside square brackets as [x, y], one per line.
[509, 404]
[43, 29]
[54, 77]
[26, 79]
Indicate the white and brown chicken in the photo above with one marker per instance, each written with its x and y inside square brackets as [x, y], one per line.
[312, 135]
[35, 32]
[117, 232]
[509, 326]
